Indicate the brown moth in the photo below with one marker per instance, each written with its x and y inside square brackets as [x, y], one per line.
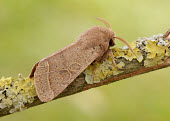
[54, 73]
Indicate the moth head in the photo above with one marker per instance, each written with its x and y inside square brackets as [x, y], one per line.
[113, 36]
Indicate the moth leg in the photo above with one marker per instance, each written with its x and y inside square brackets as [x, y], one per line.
[105, 55]
[113, 59]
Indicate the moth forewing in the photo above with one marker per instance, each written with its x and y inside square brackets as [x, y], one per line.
[54, 73]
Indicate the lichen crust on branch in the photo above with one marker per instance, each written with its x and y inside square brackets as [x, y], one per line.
[17, 95]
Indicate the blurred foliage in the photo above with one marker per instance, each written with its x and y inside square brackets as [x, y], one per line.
[32, 29]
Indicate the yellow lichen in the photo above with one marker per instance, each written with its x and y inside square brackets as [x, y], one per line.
[17, 93]
[103, 70]
[153, 62]
[6, 81]
[127, 54]
[155, 53]
[156, 50]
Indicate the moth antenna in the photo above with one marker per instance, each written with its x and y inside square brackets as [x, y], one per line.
[105, 22]
[124, 41]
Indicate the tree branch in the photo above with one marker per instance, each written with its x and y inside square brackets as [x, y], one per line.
[153, 53]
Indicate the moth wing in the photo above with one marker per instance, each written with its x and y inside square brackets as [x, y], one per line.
[54, 73]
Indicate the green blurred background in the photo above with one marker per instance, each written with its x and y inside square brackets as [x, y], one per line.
[33, 29]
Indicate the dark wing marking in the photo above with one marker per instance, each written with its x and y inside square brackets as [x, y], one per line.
[54, 73]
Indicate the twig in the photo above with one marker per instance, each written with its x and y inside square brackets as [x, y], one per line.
[153, 53]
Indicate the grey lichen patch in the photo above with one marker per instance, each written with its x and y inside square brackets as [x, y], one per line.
[156, 50]
[16, 94]
[150, 51]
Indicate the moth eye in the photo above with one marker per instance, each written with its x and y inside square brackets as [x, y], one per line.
[111, 42]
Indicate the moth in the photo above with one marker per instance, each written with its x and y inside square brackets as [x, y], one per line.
[55, 72]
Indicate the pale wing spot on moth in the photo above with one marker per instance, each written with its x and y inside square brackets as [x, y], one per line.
[74, 66]
[65, 75]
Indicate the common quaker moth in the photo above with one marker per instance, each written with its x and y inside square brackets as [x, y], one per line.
[55, 72]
